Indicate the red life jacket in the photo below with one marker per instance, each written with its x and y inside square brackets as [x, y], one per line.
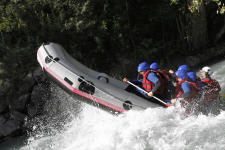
[212, 88]
[198, 78]
[148, 85]
[165, 75]
[194, 90]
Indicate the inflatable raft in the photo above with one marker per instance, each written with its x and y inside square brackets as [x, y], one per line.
[88, 85]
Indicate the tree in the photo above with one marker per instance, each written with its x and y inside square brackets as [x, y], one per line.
[193, 23]
[105, 34]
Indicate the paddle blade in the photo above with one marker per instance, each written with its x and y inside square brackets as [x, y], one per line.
[168, 105]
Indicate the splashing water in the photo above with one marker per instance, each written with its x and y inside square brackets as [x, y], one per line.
[151, 129]
[219, 71]
[157, 129]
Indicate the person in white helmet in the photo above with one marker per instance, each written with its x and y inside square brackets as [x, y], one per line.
[212, 87]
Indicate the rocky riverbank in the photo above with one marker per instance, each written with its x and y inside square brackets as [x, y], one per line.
[198, 60]
[18, 105]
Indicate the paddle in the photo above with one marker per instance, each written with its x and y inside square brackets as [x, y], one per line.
[147, 93]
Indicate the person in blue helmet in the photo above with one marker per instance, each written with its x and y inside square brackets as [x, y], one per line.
[151, 82]
[154, 66]
[167, 78]
[172, 75]
[184, 67]
[185, 91]
[142, 68]
[192, 77]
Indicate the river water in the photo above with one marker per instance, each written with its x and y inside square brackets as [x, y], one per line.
[83, 127]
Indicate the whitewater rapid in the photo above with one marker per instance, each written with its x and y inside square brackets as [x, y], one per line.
[151, 129]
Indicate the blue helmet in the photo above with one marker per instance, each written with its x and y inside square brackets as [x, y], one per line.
[154, 66]
[184, 67]
[181, 74]
[192, 76]
[143, 67]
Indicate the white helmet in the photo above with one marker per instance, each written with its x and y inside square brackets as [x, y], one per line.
[207, 70]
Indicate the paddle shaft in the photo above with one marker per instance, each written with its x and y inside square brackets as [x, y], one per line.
[147, 93]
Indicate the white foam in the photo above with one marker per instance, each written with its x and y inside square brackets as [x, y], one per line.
[152, 129]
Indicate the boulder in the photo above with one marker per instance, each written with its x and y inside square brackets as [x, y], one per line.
[39, 76]
[3, 104]
[210, 53]
[38, 95]
[32, 110]
[6, 115]
[2, 120]
[5, 87]
[15, 115]
[9, 127]
[27, 85]
[19, 103]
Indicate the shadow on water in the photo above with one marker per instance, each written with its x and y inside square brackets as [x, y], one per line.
[13, 143]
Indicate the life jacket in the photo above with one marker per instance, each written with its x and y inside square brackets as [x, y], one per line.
[194, 91]
[212, 88]
[165, 74]
[165, 77]
[198, 78]
[149, 85]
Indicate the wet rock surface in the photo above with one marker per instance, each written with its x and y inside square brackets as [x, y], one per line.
[200, 59]
[17, 105]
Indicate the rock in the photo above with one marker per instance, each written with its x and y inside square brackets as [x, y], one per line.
[210, 53]
[39, 76]
[15, 115]
[3, 105]
[6, 116]
[2, 120]
[5, 86]
[32, 110]
[38, 95]
[27, 85]
[9, 127]
[19, 103]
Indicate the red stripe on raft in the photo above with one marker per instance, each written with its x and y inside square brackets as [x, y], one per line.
[84, 94]
[98, 100]
[74, 90]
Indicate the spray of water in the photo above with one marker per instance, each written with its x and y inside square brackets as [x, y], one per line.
[156, 129]
[151, 129]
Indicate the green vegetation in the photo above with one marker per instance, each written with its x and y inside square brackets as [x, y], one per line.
[107, 35]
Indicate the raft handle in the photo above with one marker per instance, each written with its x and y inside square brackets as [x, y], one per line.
[56, 59]
[103, 78]
[68, 81]
[48, 59]
[127, 105]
